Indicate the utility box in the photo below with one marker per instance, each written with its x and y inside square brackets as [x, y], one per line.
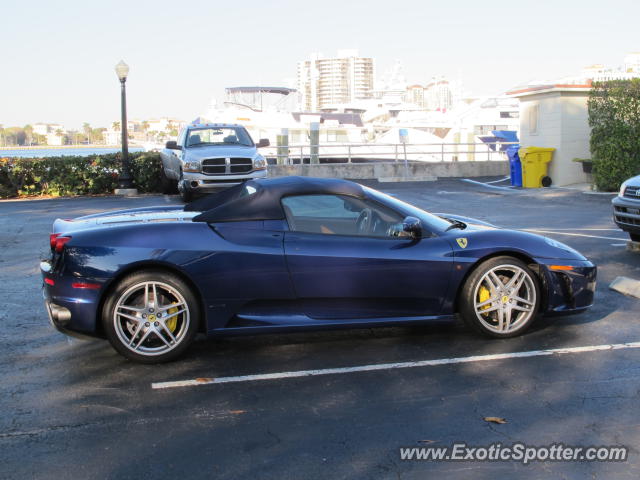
[535, 161]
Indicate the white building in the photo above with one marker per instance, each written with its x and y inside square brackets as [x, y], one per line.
[438, 95]
[556, 116]
[48, 129]
[632, 63]
[328, 81]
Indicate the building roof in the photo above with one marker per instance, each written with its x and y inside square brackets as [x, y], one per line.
[536, 89]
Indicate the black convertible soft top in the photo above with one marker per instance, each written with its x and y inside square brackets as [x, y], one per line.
[260, 199]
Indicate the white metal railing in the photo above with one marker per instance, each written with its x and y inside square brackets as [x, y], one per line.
[395, 152]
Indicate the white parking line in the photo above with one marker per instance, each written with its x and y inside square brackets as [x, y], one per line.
[486, 184]
[390, 366]
[582, 229]
[535, 230]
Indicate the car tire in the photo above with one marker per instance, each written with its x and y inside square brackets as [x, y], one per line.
[500, 298]
[185, 194]
[151, 316]
[635, 237]
[167, 186]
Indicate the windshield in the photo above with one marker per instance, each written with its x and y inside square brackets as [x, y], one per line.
[218, 136]
[430, 221]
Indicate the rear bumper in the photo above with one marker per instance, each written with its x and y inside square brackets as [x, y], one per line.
[72, 311]
[568, 291]
[626, 214]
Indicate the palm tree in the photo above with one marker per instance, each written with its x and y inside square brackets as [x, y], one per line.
[60, 133]
[28, 133]
[145, 127]
[115, 126]
[86, 128]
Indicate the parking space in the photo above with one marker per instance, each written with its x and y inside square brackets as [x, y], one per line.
[334, 404]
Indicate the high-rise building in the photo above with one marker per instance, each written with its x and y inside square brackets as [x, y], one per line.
[329, 81]
[438, 95]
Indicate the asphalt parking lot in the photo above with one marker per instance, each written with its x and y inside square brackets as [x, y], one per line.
[76, 409]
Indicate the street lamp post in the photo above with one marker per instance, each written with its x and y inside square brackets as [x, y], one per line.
[125, 184]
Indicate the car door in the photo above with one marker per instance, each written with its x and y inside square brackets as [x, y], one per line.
[175, 156]
[341, 271]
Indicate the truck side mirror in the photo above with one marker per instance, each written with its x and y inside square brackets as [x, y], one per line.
[173, 145]
[264, 142]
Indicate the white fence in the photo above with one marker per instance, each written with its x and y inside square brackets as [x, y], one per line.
[357, 153]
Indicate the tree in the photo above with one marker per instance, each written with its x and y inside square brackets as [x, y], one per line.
[145, 127]
[614, 118]
[97, 134]
[60, 133]
[86, 128]
[28, 132]
[116, 126]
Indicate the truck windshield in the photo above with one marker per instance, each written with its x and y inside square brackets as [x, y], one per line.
[218, 136]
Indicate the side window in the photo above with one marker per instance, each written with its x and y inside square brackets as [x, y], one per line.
[181, 137]
[341, 215]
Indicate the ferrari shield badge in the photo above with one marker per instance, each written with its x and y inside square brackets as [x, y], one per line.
[462, 242]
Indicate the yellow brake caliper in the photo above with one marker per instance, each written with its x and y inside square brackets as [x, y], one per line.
[483, 295]
[172, 323]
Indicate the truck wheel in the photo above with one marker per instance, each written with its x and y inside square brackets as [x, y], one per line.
[185, 194]
[167, 186]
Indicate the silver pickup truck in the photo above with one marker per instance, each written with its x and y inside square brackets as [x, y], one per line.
[211, 156]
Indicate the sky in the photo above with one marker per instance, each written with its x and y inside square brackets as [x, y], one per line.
[58, 58]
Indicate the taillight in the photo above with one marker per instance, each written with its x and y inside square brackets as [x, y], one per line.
[52, 240]
[60, 243]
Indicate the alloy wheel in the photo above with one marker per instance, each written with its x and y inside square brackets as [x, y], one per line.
[505, 299]
[151, 318]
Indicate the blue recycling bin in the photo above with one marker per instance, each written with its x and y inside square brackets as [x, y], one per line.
[515, 165]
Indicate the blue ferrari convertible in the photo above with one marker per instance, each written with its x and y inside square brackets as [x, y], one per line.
[292, 253]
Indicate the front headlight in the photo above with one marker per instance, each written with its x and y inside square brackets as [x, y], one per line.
[622, 187]
[259, 162]
[191, 167]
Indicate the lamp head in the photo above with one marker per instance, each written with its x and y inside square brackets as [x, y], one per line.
[122, 70]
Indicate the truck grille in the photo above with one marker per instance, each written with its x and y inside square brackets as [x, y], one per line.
[632, 192]
[226, 166]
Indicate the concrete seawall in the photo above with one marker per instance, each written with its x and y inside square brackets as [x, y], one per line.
[392, 171]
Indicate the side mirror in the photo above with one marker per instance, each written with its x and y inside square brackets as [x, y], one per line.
[412, 226]
[264, 142]
[173, 145]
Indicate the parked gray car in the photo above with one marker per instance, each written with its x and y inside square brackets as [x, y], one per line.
[626, 208]
[211, 156]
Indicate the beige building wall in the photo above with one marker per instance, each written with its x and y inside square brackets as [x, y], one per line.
[558, 119]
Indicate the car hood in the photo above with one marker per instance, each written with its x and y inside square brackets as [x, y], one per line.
[121, 217]
[216, 151]
[482, 237]
[635, 181]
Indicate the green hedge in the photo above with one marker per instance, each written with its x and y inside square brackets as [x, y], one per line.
[614, 118]
[93, 174]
